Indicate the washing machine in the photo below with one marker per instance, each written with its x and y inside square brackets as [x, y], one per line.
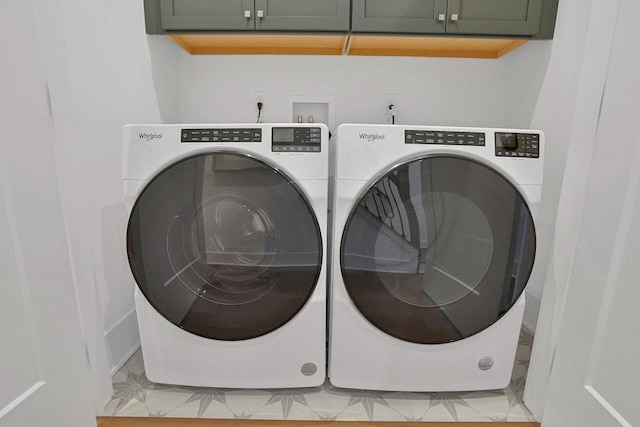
[434, 241]
[226, 241]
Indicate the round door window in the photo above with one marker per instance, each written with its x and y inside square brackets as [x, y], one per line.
[437, 250]
[224, 246]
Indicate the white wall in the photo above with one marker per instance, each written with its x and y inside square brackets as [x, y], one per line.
[526, 70]
[99, 76]
[436, 91]
[165, 55]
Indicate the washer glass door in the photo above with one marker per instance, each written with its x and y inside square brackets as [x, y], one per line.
[224, 246]
[437, 250]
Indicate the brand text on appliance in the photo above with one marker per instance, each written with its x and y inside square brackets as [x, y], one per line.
[150, 136]
[370, 137]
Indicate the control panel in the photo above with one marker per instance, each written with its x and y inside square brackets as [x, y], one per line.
[443, 138]
[221, 135]
[295, 139]
[517, 144]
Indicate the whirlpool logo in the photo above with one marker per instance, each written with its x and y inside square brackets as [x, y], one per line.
[370, 137]
[150, 136]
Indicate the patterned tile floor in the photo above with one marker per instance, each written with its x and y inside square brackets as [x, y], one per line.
[135, 395]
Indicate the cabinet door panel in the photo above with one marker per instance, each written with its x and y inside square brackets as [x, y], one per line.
[398, 16]
[207, 15]
[499, 17]
[303, 15]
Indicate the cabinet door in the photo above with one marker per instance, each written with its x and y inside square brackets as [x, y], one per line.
[499, 17]
[399, 16]
[302, 15]
[207, 15]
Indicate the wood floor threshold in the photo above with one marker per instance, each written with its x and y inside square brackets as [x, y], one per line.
[199, 422]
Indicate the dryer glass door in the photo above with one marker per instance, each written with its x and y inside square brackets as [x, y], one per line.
[437, 250]
[224, 246]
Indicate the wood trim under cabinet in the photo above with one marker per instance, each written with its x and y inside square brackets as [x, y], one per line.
[242, 44]
[448, 47]
[368, 45]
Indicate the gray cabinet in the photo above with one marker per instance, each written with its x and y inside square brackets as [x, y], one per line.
[499, 17]
[398, 16]
[249, 15]
[468, 17]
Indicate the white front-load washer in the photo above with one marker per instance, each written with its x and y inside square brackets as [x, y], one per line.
[434, 242]
[226, 242]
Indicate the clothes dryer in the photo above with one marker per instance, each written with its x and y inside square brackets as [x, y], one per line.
[434, 241]
[226, 242]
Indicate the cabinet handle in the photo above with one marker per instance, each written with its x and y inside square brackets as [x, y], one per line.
[247, 14]
[454, 17]
[260, 14]
[441, 17]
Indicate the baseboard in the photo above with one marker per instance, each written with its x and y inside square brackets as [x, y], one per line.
[531, 311]
[122, 340]
[204, 422]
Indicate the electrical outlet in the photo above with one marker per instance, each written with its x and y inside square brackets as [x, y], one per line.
[259, 96]
[390, 99]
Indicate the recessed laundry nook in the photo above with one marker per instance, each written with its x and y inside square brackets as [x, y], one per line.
[300, 212]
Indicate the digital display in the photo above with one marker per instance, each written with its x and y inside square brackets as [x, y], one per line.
[283, 135]
[298, 139]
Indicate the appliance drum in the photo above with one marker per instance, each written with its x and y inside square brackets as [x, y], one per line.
[224, 246]
[438, 249]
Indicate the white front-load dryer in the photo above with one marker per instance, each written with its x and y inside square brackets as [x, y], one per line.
[434, 242]
[226, 242]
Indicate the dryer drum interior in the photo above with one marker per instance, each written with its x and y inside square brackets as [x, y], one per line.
[224, 246]
[437, 250]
